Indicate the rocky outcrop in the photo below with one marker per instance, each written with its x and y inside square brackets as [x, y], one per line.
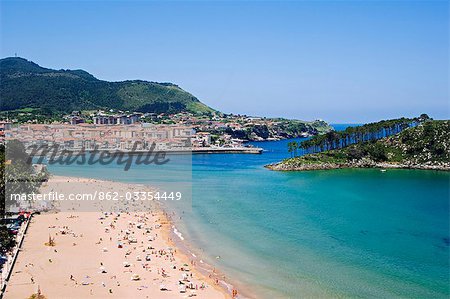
[283, 166]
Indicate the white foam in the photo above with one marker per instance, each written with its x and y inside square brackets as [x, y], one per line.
[176, 232]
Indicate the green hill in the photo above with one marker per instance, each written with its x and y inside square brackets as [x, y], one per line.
[24, 84]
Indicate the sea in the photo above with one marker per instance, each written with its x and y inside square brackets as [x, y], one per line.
[332, 233]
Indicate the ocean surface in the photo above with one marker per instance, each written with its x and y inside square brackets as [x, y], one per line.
[353, 232]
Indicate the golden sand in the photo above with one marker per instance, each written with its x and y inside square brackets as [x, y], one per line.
[103, 255]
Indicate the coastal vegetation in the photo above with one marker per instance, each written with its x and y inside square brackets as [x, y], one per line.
[17, 176]
[31, 115]
[272, 129]
[424, 146]
[7, 240]
[368, 132]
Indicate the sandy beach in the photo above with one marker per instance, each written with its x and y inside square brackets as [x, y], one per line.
[103, 254]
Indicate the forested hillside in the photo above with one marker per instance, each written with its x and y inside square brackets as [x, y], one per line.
[25, 84]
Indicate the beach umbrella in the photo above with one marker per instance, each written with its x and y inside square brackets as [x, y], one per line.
[105, 249]
[135, 277]
[126, 264]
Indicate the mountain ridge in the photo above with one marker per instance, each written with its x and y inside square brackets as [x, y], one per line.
[25, 84]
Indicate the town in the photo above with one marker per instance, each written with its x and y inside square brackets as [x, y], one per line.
[113, 129]
[134, 137]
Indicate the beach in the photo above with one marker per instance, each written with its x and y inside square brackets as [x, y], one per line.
[101, 254]
[316, 234]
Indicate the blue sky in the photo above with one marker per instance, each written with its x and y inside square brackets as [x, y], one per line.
[338, 61]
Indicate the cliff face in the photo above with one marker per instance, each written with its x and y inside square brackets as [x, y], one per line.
[426, 146]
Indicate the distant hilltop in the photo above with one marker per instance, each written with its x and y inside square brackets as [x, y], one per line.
[25, 84]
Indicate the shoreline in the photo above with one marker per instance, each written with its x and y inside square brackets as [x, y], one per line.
[34, 251]
[282, 166]
[205, 268]
[191, 151]
[189, 252]
[185, 255]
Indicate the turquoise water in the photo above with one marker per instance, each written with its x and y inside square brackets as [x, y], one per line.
[358, 233]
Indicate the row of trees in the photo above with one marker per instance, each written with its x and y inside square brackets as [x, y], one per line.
[7, 240]
[16, 176]
[368, 132]
[293, 147]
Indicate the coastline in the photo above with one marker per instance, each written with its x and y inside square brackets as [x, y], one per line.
[190, 151]
[33, 257]
[283, 166]
[190, 252]
[203, 270]
[194, 254]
